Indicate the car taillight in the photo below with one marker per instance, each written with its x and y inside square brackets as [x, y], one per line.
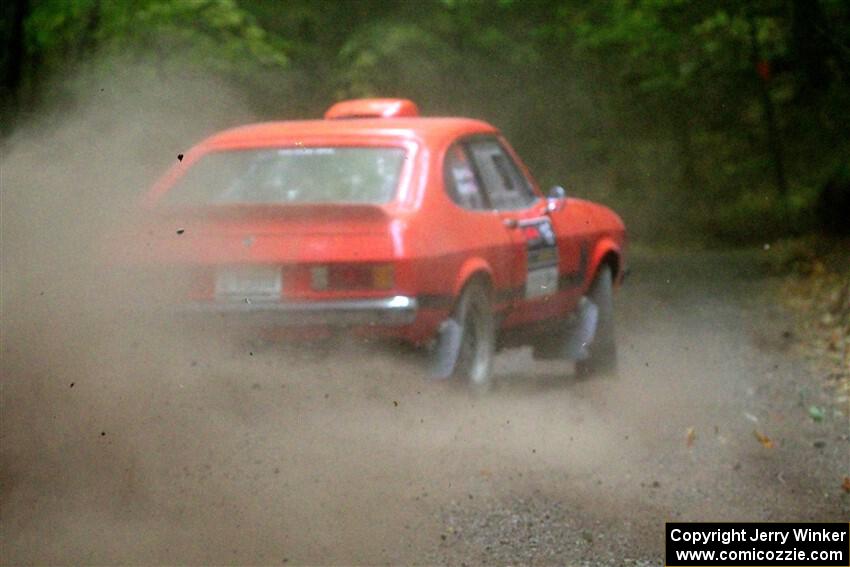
[351, 276]
[383, 276]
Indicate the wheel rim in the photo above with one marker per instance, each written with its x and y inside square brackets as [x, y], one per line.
[474, 347]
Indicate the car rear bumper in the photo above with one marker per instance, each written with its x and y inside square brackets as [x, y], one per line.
[388, 312]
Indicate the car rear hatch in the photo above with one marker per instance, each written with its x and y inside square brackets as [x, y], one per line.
[274, 252]
[283, 223]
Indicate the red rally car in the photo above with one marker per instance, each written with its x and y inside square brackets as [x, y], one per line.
[378, 221]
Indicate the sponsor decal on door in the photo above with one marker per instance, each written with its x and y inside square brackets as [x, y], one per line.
[542, 248]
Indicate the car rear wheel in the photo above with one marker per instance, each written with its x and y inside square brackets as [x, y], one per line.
[477, 344]
[602, 352]
[467, 344]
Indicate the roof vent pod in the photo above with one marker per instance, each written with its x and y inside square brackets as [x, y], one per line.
[372, 108]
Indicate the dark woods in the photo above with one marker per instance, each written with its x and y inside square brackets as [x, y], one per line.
[723, 120]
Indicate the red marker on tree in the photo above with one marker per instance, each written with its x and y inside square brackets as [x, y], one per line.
[763, 69]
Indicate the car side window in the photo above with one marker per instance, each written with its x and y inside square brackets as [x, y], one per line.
[504, 183]
[461, 182]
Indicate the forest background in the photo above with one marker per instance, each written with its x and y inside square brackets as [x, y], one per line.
[716, 122]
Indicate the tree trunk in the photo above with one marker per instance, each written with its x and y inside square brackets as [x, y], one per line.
[774, 142]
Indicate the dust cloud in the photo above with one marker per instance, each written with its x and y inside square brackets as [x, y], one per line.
[131, 439]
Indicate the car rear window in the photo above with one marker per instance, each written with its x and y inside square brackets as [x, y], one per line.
[290, 175]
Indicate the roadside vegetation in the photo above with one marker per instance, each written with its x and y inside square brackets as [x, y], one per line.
[816, 288]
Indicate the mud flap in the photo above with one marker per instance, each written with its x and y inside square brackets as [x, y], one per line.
[583, 331]
[446, 349]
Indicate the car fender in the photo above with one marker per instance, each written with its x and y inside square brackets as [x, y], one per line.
[601, 249]
[469, 269]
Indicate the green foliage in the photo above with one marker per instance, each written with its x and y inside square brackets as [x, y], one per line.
[56, 23]
[390, 60]
[218, 33]
[727, 116]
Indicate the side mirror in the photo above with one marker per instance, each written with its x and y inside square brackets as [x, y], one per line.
[557, 192]
[556, 200]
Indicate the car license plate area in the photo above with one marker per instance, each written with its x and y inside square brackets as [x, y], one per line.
[248, 282]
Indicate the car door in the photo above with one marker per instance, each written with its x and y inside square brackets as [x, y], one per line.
[541, 261]
[477, 232]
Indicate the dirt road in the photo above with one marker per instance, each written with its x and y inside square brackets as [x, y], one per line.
[166, 452]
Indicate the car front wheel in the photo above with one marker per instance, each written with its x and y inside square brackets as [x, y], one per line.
[602, 351]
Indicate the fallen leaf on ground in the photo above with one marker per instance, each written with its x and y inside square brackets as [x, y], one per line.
[690, 436]
[766, 442]
[835, 339]
[846, 484]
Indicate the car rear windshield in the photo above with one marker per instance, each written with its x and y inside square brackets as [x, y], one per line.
[290, 175]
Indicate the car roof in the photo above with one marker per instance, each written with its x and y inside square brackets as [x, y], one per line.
[430, 130]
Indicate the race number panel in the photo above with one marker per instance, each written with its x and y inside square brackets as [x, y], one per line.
[542, 248]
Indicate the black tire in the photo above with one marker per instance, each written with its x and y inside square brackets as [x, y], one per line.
[474, 314]
[602, 351]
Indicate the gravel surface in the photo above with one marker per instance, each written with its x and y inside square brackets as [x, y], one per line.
[154, 449]
[709, 421]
